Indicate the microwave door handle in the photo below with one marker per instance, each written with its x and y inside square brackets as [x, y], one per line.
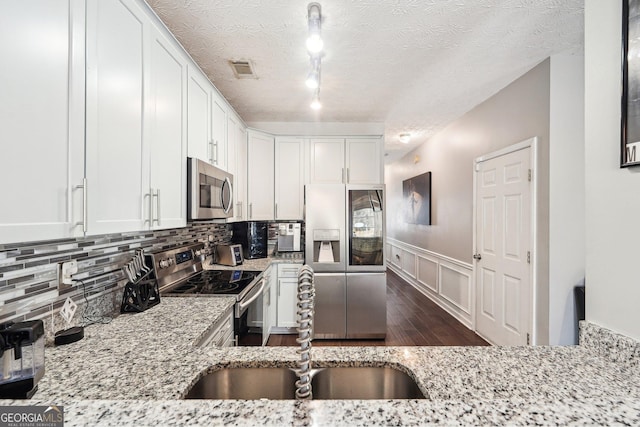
[227, 208]
[244, 304]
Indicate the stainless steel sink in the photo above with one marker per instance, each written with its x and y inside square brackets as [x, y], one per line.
[364, 383]
[246, 384]
[326, 383]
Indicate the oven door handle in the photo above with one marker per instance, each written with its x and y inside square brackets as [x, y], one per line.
[242, 305]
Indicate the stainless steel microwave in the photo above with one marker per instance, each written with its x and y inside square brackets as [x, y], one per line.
[209, 191]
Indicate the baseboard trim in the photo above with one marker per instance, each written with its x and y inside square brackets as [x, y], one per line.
[446, 281]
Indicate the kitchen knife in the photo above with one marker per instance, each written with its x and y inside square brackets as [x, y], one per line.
[127, 272]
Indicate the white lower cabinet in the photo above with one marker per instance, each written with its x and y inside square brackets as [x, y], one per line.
[269, 303]
[221, 334]
[287, 296]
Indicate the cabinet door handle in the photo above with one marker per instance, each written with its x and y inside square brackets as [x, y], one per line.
[83, 186]
[276, 210]
[150, 206]
[278, 288]
[156, 195]
[215, 144]
[210, 154]
[250, 210]
[239, 210]
[347, 175]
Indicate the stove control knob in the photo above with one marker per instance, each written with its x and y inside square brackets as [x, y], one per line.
[164, 263]
[171, 261]
[197, 252]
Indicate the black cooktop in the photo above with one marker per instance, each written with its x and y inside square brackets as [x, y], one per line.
[223, 282]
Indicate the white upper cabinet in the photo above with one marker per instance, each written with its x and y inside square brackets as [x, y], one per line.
[218, 131]
[346, 161]
[198, 116]
[167, 141]
[41, 119]
[289, 178]
[326, 161]
[260, 176]
[207, 120]
[237, 166]
[136, 129]
[117, 82]
[124, 106]
[364, 161]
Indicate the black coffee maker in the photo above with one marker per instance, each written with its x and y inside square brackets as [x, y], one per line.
[254, 238]
[21, 358]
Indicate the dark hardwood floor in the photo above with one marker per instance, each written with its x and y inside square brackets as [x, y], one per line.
[412, 319]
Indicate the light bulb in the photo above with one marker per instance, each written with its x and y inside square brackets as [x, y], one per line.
[315, 104]
[313, 79]
[314, 18]
[405, 138]
[314, 43]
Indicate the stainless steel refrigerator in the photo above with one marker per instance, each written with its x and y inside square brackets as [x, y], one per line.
[345, 228]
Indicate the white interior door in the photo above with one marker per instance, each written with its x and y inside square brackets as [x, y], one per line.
[503, 245]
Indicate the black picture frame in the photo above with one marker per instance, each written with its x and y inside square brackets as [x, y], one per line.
[630, 123]
[416, 199]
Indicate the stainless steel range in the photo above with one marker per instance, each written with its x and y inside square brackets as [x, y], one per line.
[179, 273]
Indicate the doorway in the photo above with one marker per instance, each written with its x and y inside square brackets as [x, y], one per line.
[503, 265]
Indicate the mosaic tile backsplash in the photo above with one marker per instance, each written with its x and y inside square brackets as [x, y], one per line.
[29, 286]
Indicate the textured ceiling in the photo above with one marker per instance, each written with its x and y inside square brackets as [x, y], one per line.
[415, 65]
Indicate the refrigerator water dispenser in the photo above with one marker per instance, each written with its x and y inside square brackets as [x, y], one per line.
[326, 246]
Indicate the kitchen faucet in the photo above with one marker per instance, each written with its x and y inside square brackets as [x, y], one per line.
[306, 294]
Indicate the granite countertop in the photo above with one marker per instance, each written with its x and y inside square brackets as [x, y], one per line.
[253, 264]
[135, 370]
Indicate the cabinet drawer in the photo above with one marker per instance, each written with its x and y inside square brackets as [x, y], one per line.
[222, 333]
[288, 270]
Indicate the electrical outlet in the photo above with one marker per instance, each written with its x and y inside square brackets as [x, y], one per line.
[68, 268]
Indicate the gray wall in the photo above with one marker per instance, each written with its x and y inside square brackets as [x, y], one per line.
[547, 102]
[566, 195]
[518, 112]
[612, 194]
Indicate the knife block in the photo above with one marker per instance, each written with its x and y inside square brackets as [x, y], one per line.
[140, 296]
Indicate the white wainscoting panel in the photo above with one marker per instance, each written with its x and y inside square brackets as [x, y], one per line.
[446, 281]
[455, 286]
[409, 263]
[428, 272]
[396, 256]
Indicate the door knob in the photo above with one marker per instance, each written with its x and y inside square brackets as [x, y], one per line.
[477, 257]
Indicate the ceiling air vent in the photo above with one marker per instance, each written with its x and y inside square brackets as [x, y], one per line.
[243, 69]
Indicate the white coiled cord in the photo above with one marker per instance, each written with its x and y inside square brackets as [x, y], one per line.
[306, 294]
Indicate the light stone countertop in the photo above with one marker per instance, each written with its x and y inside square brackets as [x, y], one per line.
[252, 264]
[135, 370]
